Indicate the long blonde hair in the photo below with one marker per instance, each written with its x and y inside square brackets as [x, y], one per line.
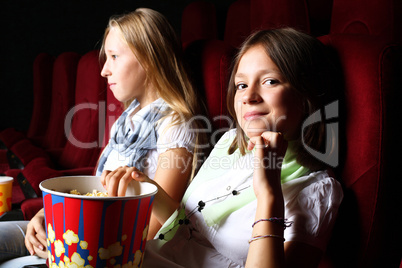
[156, 46]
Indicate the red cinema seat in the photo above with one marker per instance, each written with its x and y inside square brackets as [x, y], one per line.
[81, 124]
[380, 18]
[63, 90]
[367, 232]
[198, 22]
[42, 94]
[237, 26]
[269, 14]
[210, 62]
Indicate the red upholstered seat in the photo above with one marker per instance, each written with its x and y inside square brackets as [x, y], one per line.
[63, 90]
[268, 14]
[83, 123]
[210, 61]
[380, 18]
[198, 22]
[42, 94]
[365, 234]
[237, 26]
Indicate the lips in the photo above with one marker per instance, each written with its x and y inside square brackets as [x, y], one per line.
[111, 85]
[252, 115]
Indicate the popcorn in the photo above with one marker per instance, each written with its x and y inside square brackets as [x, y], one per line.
[94, 193]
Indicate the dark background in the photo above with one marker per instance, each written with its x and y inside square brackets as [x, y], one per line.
[54, 26]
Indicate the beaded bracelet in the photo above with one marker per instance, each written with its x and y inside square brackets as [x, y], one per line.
[265, 236]
[284, 222]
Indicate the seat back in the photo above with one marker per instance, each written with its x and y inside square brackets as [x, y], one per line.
[198, 22]
[81, 124]
[210, 61]
[42, 94]
[268, 14]
[237, 30]
[378, 17]
[63, 91]
[365, 235]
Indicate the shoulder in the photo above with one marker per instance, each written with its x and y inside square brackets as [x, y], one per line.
[318, 185]
[312, 203]
[175, 135]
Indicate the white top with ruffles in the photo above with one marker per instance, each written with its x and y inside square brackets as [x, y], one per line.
[311, 202]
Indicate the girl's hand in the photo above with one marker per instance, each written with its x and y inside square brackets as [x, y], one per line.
[116, 182]
[270, 151]
[35, 238]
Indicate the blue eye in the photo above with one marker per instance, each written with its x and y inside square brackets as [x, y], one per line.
[241, 86]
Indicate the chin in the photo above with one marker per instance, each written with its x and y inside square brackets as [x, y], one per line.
[253, 133]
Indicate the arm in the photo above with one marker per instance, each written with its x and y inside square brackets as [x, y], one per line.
[272, 252]
[35, 238]
[171, 178]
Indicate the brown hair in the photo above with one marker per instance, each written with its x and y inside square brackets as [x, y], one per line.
[304, 63]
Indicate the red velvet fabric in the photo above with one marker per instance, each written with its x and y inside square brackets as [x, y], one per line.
[237, 26]
[198, 22]
[85, 139]
[63, 90]
[42, 92]
[268, 14]
[210, 61]
[364, 233]
[376, 17]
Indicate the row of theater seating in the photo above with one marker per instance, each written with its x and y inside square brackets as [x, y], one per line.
[366, 39]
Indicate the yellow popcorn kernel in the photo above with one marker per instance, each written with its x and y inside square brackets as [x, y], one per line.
[66, 259]
[145, 233]
[112, 261]
[50, 233]
[90, 258]
[137, 258]
[112, 251]
[76, 259]
[70, 237]
[124, 237]
[84, 244]
[59, 248]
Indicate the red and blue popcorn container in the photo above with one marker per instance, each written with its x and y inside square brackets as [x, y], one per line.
[94, 231]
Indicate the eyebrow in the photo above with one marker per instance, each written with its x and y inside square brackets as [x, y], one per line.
[263, 71]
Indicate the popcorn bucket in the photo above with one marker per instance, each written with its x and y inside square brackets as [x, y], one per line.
[6, 189]
[93, 231]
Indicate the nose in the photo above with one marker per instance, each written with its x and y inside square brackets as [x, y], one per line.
[251, 95]
[105, 72]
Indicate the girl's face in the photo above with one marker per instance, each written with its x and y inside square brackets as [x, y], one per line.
[126, 77]
[264, 100]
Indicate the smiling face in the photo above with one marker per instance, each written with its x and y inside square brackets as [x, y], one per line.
[126, 77]
[264, 100]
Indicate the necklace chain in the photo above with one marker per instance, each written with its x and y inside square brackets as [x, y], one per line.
[200, 206]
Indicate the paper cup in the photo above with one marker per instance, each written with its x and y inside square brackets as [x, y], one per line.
[91, 231]
[6, 189]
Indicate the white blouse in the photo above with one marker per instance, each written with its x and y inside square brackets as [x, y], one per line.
[169, 137]
[311, 202]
